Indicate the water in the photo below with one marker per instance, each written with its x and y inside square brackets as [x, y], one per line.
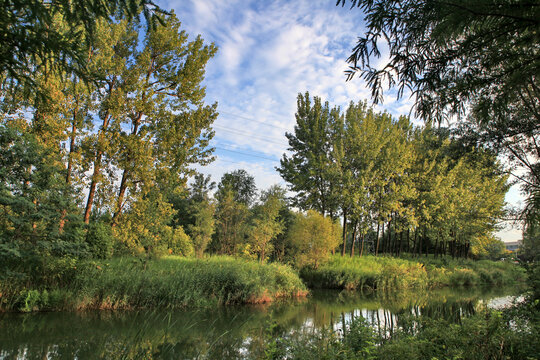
[223, 332]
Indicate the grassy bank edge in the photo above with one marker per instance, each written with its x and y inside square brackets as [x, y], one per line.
[170, 282]
[386, 273]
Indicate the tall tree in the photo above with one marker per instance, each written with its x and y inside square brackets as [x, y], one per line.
[231, 222]
[308, 169]
[111, 52]
[165, 112]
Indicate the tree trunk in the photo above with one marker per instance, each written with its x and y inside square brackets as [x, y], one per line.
[426, 247]
[125, 175]
[354, 237]
[69, 166]
[362, 247]
[408, 240]
[377, 246]
[344, 232]
[97, 164]
[400, 249]
[92, 191]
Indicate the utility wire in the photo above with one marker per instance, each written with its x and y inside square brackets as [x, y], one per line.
[251, 119]
[247, 154]
[251, 135]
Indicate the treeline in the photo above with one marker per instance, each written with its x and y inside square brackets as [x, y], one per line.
[397, 187]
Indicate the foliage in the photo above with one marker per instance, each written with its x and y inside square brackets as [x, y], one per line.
[56, 35]
[204, 226]
[241, 184]
[476, 61]
[450, 53]
[487, 247]
[265, 224]
[307, 170]
[313, 236]
[144, 228]
[231, 226]
[100, 240]
[384, 176]
[180, 243]
[34, 200]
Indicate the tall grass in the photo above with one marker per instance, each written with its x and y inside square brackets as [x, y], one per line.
[171, 282]
[370, 272]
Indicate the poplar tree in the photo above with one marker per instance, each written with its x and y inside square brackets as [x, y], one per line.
[307, 168]
[168, 122]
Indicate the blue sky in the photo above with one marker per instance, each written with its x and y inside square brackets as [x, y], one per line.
[268, 52]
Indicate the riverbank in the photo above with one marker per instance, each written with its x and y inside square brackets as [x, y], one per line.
[385, 273]
[169, 282]
[176, 282]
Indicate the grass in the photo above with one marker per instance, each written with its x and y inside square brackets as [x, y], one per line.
[170, 282]
[370, 272]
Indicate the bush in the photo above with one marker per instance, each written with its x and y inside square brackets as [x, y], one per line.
[180, 243]
[100, 240]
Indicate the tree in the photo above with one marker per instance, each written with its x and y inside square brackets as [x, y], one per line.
[145, 227]
[33, 192]
[241, 184]
[308, 170]
[313, 236]
[265, 224]
[231, 217]
[201, 187]
[452, 53]
[56, 35]
[150, 102]
[487, 247]
[165, 112]
[203, 228]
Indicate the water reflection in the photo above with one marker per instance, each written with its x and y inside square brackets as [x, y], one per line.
[221, 333]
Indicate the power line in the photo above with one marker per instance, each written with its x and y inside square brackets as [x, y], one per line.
[251, 119]
[251, 135]
[247, 154]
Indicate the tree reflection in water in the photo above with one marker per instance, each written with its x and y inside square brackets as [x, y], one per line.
[225, 332]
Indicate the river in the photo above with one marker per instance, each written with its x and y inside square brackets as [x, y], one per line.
[232, 332]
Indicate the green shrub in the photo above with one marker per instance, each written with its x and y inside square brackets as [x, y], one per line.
[180, 243]
[100, 240]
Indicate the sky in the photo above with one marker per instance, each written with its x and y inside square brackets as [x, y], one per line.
[268, 53]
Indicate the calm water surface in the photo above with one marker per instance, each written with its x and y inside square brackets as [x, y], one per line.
[223, 332]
